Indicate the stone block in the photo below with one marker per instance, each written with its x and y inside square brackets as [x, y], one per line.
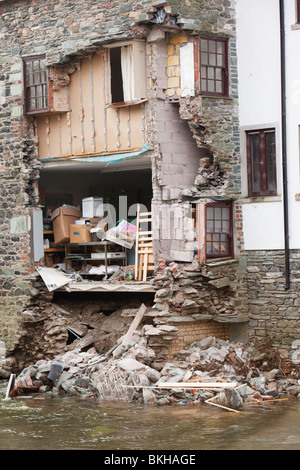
[131, 365]
[183, 256]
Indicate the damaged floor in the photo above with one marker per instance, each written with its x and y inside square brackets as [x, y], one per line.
[55, 322]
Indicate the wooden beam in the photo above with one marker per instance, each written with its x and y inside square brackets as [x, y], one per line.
[135, 323]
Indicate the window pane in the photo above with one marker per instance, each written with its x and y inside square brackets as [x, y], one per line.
[256, 180]
[212, 46]
[218, 226]
[218, 74]
[210, 225]
[211, 72]
[203, 72]
[224, 244]
[218, 213]
[220, 47]
[271, 160]
[225, 213]
[219, 87]
[204, 45]
[220, 61]
[262, 162]
[210, 86]
[210, 213]
[36, 70]
[226, 226]
[212, 59]
[204, 58]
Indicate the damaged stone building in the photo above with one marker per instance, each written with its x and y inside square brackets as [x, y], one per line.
[133, 104]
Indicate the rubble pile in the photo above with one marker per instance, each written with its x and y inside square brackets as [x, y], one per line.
[212, 370]
[198, 294]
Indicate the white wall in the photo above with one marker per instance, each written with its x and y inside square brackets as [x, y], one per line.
[293, 119]
[258, 33]
[258, 60]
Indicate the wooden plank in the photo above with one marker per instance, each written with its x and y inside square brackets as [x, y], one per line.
[135, 323]
[221, 406]
[199, 385]
[145, 268]
[266, 401]
[137, 240]
[10, 386]
[189, 385]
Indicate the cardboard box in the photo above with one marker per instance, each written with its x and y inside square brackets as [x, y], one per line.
[80, 233]
[61, 219]
[94, 222]
[92, 207]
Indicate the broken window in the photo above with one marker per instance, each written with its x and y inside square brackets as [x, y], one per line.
[213, 66]
[261, 162]
[127, 73]
[36, 84]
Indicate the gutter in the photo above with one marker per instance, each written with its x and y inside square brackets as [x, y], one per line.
[284, 146]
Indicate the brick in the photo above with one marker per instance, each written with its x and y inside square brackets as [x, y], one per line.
[173, 60]
[173, 82]
[178, 39]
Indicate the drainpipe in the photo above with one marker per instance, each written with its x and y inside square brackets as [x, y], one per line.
[284, 152]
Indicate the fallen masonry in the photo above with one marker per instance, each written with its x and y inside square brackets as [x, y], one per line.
[212, 371]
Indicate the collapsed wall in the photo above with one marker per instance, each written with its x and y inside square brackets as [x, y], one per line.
[194, 152]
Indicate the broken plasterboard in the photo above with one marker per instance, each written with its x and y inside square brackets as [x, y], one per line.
[53, 278]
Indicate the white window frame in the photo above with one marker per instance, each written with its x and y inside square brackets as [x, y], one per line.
[133, 66]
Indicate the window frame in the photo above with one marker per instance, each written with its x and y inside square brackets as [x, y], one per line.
[28, 86]
[263, 163]
[135, 83]
[224, 68]
[229, 254]
[297, 11]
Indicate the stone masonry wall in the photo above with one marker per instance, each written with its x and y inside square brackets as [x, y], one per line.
[32, 27]
[273, 310]
[64, 31]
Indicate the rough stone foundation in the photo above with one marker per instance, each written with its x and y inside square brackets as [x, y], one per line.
[273, 310]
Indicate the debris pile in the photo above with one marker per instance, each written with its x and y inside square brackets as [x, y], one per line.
[225, 374]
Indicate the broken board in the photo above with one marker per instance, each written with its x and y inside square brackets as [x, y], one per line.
[53, 278]
[135, 323]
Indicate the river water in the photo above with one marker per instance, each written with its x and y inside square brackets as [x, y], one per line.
[43, 422]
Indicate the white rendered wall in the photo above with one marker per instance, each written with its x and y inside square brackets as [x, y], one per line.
[293, 120]
[258, 36]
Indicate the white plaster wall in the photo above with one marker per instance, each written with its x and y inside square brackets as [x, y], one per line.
[293, 120]
[258, 43]
[263, 226]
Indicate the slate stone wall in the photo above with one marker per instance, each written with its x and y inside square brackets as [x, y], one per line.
[273, 309]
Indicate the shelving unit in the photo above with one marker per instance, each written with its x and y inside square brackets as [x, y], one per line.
[84, 255]
[49, 234]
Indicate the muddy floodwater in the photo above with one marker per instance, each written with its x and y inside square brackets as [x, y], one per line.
[43, 422]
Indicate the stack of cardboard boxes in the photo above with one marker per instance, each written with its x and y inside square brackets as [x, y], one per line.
[71, 225]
